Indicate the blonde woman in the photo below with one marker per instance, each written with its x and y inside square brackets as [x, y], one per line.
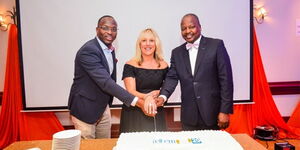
[143, 76]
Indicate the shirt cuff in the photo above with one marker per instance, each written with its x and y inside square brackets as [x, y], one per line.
[164, 97]
[134, 101]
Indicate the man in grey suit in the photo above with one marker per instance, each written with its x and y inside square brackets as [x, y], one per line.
[94, 83]
[203, 68]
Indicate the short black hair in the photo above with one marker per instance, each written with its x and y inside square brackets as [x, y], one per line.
[193, 15]
[105, 16]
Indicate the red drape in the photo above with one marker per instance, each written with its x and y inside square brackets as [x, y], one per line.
[12, 96]
[15, 125]
[294, 120]
[263, 111]
[39, 126]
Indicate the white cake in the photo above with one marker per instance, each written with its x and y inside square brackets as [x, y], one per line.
[185, 140]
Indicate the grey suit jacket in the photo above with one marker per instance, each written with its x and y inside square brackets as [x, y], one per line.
[210, 90]
[93, 87]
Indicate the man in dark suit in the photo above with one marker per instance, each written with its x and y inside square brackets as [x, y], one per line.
[94, 83]
[203, 68]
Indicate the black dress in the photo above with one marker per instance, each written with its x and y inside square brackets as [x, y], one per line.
[132, 118]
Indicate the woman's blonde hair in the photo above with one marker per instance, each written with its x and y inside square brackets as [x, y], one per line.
[158, 48]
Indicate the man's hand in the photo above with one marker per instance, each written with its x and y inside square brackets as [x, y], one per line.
[140, 103]
[223, 120]
[159, 101]
[155, 93]
[150, 105]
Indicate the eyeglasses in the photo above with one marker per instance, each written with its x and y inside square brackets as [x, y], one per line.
[105, 28]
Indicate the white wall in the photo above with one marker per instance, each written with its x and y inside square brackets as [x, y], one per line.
[279, 47]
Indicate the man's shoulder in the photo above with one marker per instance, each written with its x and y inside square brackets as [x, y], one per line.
[210, 39]
[91, 44]
[88, 47]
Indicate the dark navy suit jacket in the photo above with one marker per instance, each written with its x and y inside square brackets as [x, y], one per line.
[93, 87]
[210, 90]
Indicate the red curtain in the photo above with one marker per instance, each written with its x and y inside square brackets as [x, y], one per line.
[294, 120]
[12, 96]
[263, 111]
[39, 126]
[15, 125]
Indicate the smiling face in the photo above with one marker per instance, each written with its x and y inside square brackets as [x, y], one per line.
[107, 30]
[190, 28]
[147, 44]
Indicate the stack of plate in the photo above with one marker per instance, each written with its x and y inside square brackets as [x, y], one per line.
[66, 140]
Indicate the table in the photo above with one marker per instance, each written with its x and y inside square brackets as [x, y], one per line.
[107, 144]
[270, 144]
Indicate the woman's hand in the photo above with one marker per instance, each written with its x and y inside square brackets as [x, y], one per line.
[155, 93]
[150, 104]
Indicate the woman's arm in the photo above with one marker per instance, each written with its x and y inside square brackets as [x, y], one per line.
[131, 88]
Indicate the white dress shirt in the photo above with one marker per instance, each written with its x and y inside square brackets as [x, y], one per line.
[193, 52]
[108, 55]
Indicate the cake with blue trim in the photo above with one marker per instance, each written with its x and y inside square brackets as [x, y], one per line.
[184, 140]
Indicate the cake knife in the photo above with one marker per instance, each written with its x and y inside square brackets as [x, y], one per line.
[154, 123]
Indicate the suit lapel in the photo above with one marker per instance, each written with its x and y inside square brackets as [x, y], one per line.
[114, 76]
[186, 59]
[201, 53]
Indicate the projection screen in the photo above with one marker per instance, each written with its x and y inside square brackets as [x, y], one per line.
[51, 32]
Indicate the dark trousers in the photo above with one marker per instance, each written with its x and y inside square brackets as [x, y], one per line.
[199, 126]
[186, 127]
